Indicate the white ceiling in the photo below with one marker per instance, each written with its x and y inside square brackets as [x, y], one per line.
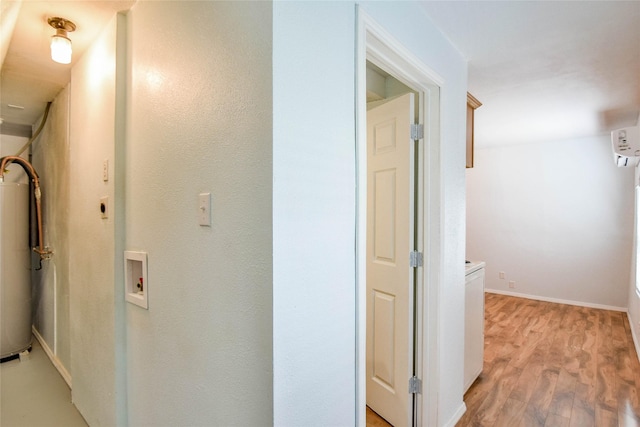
[547, 70]
[29, 77]
[544, 70]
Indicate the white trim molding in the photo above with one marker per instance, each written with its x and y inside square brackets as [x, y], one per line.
[557, 300]
[634, 335]
[377, 45]
[54, 359]
[456, 416]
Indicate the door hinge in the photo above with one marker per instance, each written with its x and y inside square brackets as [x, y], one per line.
[417, 131]
[415, 385]
[415, 259]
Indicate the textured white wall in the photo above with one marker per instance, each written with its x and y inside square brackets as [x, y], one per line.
[200, 121]
[556, 217]
[633, 296]
[408, 22]
[314, 213]
[634, 317]
[91, 239]
[51, 157]
[314, 205]
[9, 146]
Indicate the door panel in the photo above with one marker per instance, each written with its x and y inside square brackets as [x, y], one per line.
[383, 339]
[389, 241]
[384, 218]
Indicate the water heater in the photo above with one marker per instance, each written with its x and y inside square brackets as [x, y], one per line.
[15, 270]
[626, 146]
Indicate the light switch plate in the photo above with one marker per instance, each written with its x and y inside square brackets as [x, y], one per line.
[105, 170]
[204, 209]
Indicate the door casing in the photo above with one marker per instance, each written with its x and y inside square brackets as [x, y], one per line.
[375, 44]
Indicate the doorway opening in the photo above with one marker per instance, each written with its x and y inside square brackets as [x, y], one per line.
[397, 324]
[392, 166]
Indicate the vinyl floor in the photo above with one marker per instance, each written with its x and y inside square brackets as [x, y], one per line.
[33, 394]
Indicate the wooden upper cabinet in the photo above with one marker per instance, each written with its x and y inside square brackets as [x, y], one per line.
[472, 104]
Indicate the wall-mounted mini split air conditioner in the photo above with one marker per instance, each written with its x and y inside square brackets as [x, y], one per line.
[626, 146]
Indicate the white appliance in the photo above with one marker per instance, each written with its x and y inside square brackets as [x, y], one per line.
[473, 322]
[625, 143]
[15, 270]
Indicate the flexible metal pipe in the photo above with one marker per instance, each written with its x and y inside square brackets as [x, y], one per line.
[35, 135]
[29, 169]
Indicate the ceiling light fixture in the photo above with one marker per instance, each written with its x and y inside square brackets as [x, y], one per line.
[60, 43]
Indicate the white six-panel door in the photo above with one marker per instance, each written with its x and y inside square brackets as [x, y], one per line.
[389, 275]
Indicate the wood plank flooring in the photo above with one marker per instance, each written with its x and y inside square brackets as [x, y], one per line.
[548, 364]
[375, 420]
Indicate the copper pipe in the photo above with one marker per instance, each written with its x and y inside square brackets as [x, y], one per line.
[29, 169]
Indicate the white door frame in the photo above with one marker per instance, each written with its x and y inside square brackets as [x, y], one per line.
[375, 44]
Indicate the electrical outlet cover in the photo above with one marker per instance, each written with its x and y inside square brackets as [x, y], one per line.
[104, 207]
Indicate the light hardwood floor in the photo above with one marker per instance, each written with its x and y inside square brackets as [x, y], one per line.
[375, 420]
[548, 364]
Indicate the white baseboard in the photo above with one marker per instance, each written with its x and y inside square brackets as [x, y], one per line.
[634, 335]
[456, 416]
[557, 300]
[54, 359]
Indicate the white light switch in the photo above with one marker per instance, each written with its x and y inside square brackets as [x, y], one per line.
[204, 209]
[105, 170]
